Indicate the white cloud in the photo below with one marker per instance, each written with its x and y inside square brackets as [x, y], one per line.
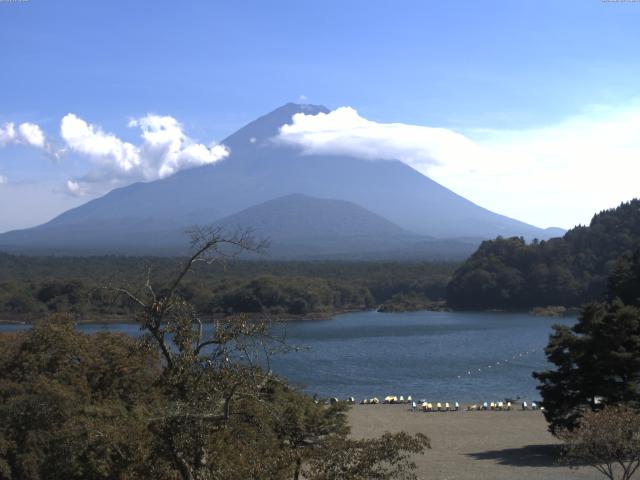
[7, 134]
[3, 180]
[344, 132]
[165, 149]
[75, 188]
[32, 134]
[554, 175]
[104, 148]
[28, 134]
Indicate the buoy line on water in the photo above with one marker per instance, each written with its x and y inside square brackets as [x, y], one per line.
[476, 371]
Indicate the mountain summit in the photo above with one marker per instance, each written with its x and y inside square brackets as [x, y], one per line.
[147, 217]
[265, 128]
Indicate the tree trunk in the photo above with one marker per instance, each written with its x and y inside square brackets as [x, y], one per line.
[183, 466]
[296, 473]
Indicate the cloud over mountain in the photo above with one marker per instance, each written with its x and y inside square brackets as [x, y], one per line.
[583, 163]
[164, 150]
[344, 132]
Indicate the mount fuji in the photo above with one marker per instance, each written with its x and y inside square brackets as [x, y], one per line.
[311, 206]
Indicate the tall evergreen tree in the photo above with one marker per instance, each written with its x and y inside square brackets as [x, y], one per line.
[624, 282]
[598, 359]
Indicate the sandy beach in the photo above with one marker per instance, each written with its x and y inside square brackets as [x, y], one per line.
[505, 445]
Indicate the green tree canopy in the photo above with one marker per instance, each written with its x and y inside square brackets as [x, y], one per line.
[508, 273]
[73, 406]
[624, 282]
[597, 361]
[186, 401]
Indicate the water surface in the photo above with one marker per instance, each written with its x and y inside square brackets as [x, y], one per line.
[433, 355]
[440, 356]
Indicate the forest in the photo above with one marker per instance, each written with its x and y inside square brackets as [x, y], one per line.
[511, 274]
[34, 286]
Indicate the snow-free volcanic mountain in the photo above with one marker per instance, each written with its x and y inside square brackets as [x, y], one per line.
[386, 206]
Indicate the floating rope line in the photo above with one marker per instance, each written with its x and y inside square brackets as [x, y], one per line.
[498, 363]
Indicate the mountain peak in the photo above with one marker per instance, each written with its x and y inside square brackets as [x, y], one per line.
[268, 126]
[306, 108]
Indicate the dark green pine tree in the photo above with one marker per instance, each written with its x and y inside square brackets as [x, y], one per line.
[624, 282]
[597, 361]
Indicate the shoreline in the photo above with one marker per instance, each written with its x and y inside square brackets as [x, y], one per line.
[313, 316]
[115, 319]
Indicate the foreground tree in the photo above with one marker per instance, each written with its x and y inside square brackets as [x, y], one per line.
[608, 440]
[74, 406]
[217, 387]
[597, 363]
[598, 359]
[303, 427]
[212, 378]
[624, 281]
[384, 458]
[189, 400]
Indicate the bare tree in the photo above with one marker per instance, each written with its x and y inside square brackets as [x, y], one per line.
[208, 367]
[216, 381]
[608, 440]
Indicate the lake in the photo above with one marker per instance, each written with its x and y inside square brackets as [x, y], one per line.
[440, 356]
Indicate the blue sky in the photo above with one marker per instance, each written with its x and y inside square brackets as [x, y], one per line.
[498, 72]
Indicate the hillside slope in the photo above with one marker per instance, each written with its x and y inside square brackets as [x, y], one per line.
[507, 273]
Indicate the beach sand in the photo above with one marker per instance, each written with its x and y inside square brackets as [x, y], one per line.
[507, 445]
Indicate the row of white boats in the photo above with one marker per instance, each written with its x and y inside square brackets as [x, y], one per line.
[426, 406]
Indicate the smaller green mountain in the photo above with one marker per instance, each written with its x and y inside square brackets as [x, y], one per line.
[508, 273]
[299, 216]
[300, 226]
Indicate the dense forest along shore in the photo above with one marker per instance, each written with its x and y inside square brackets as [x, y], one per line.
[33, 287]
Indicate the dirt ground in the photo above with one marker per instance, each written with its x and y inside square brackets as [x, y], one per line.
[508, 445]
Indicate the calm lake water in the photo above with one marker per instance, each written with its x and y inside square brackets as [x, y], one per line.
[441, 356]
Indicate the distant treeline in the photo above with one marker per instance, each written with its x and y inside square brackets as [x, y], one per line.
[508, 273]
[33, 286]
